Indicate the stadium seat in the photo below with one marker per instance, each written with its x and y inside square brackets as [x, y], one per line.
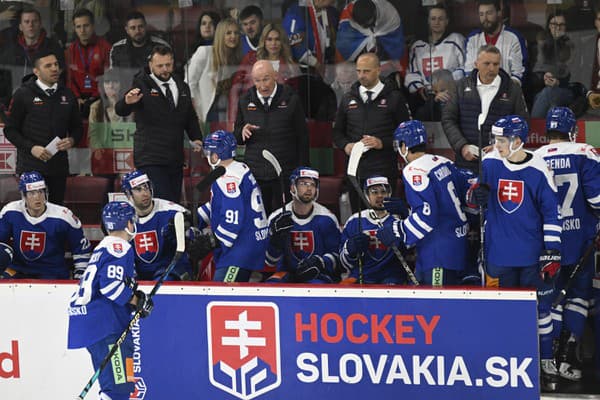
[9, 189]
[86, 195]
[330, 191]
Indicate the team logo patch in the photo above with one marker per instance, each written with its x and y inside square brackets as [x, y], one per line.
[146, 245]
[32, 244]
[243, 347]
[230, 186]
[303, 243]
[510, 194]
[117, 247]
[417, 180]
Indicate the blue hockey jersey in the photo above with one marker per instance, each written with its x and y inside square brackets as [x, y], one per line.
[437, 224]
[154, 251]
[318, 234]
[39, 243]
[237, 217]
[522, 217]
[379, 262]
[100, 307]
[576, 169]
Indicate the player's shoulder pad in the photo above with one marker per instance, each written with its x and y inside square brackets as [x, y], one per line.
[230, 182]
[115, 246]
[14, 206]
[64, 214]
[416, 173]
[167, 205]
[323, 211]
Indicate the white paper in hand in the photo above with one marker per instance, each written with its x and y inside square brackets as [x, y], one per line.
[473, 150]
[52, 147]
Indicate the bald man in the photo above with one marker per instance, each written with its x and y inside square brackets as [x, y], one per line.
[370, 112]
[270, 116]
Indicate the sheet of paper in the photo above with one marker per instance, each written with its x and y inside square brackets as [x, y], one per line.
[52, 147]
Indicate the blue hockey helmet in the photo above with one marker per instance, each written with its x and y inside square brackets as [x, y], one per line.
[412, 133]
[116, 215]
[29, 181]
[222, 143]
[511, 126]
[134, 179]
[304, 172]
[375, 180]
[563, 120]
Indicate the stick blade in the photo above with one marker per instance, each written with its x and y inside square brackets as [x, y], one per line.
[267, 155]
[357, 152]
[179, 232]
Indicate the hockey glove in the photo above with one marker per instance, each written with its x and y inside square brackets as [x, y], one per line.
[396, 206]
[478, 195]
[198, 244]
[357, 244]
[391, 235]
[282, 223]
[168, 231]
[144, 303]
[310, 268]
[549, 265]
[78, 273]
[6, 255]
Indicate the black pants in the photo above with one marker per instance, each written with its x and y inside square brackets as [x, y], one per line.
[166, 180]
[57, 185]
[271, 193]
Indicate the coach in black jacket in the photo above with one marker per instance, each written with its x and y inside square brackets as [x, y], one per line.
[278, 126]
[163, 111]
[42, 109]
[370, 112]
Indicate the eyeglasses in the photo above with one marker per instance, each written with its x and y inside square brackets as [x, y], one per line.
[307, 184]
[560, 25]
[378, 192]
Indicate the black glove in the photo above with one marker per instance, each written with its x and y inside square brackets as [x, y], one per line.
[198, 244]
[282, 223]
[549, 263]
[6, 255]
[397, 206]
[168, 231]
[391, 235]
[144, 303]
[357, 244]
[310, 268]
[478, 195]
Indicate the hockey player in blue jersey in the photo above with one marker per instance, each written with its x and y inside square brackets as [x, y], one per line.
[361, 248]
[154, 243]
[308, 251]
[576, 169]
[39, 231]
[235, 213]
[437, 224]
[101, 308]
[523, 227]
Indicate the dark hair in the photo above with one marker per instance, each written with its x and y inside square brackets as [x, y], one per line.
[134, 15]
[495, 3]
[249, 11]
[83, 12]
[41, 54]
[420, 148]
[439, 6]
[161, 50]
[30, 10]
[553, 14]
[364, 13]
[213, 15]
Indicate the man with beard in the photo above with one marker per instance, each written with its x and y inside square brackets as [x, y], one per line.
[511, 44]
[133, 51]
[251, 22]
[163, 111]
[308, 250]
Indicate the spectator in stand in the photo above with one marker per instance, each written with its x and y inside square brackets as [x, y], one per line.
[86, 58]
[163, 111]
[442, 86]
[103, 118]
[270, 116]
[594, 92]
[44, 123]
[312, 28]
[370, 26]
[511, 44]
[345, 76]
[272, 46]
[210, 73]
[207, 23]
[551, 71]
[18, 56]
[440, 50]
[478, 101]
[131, 54]
[251, 20]
[370, 112]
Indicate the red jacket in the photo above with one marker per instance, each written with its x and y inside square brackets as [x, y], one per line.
[95, 56]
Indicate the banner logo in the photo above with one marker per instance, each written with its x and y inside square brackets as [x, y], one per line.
[243, 347]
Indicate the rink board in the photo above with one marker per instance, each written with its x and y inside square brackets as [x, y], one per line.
[274, 342]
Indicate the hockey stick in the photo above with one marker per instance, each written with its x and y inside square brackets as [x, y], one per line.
[210, 178]
[355, 155]
[570, 280]
[179, 234]
[480, 121]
